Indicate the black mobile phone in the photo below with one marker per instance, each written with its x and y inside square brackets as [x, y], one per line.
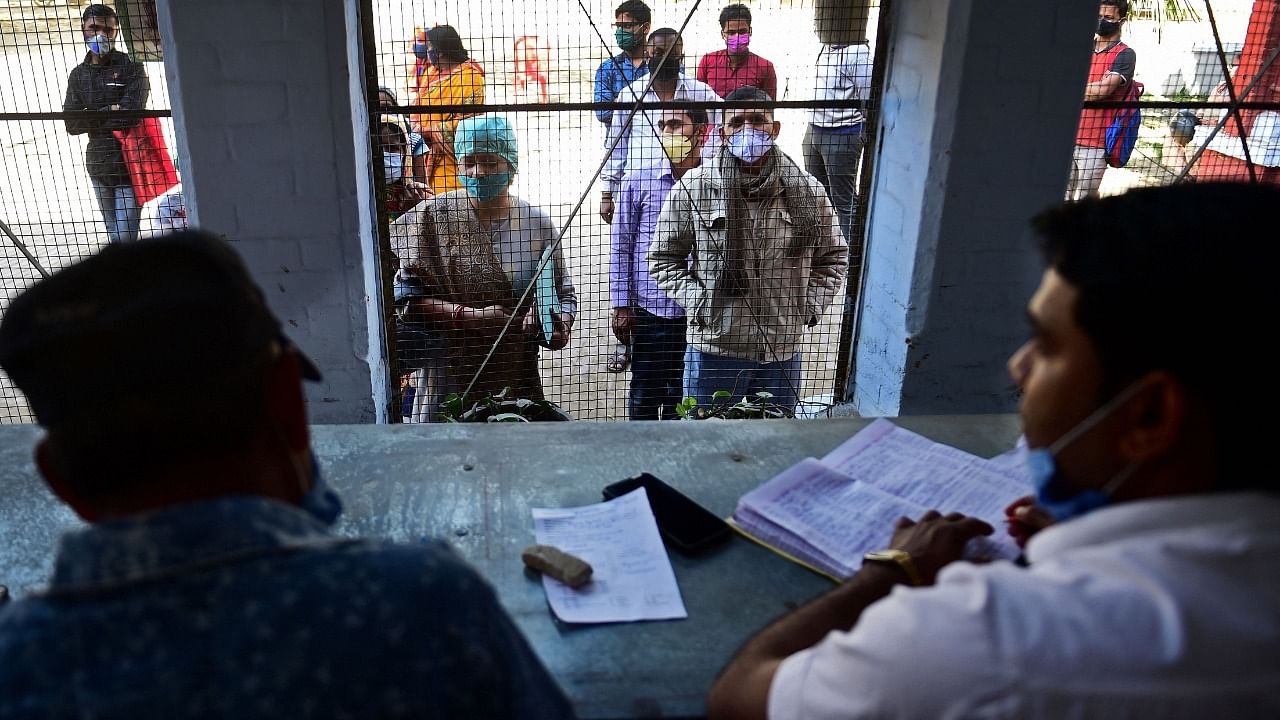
[686, 525]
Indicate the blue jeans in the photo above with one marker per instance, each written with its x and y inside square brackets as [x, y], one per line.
[120, 211]
[657, 366]
[705, 373]
[833, 158]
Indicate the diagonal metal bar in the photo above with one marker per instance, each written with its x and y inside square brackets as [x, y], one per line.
[564, 230]
[23, 249]
[1231, 92]
[1223, 122]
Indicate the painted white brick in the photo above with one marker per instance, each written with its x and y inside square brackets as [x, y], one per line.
[966, 161]
[270, 160]
[247, 101]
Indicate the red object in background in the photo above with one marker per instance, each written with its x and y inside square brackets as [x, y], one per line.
[1261, 39]
[147, 157]
[532, 54]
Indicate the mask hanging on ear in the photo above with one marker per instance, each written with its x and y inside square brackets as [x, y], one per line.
[1052, 491]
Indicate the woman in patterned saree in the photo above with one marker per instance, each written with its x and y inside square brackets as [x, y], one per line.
[466, 259]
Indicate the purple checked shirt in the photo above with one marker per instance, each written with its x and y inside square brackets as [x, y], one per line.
[639, 202]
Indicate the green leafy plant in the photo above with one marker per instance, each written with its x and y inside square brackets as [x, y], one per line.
[500, 408]
[1162, 11]
[758, 406]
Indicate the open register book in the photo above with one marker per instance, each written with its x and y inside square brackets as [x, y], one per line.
[826, 514]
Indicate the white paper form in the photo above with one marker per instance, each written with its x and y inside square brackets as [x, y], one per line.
[833, 519]
[632, 577]
[933, 475]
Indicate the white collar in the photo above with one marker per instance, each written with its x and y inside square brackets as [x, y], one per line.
[1248, 512]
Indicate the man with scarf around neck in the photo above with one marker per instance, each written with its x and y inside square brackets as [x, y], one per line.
[1156, 593]
[748, 245]
[206, 582]
[1110, 72]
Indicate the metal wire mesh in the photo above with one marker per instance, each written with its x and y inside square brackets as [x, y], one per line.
[1204, 78]
[540, 64]
[557, 74]
[53, 210]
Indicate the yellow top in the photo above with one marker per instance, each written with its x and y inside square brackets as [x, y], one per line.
[463, 84]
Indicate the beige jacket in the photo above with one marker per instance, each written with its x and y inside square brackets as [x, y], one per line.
[787, 292]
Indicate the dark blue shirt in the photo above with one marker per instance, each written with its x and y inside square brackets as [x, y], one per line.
[244, 607]
[614, 74]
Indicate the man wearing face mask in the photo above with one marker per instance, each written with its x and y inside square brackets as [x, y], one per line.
[638, 146]
[643, 316]
[749, 246]
[1155, 593]
[206, 582]
[106, 82]
[630, 28]
[1110, 72]
[735, 66]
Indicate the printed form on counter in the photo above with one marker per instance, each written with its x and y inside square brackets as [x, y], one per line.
[826, 514]
[632, 578]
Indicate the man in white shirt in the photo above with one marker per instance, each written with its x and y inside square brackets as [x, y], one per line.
[640, 147]
[1156, 593]
[835, 137]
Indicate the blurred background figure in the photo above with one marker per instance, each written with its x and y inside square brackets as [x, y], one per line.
[532, 56]
[450, 77]
[418, 149]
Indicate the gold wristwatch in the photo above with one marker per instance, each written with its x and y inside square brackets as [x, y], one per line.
[901, 558]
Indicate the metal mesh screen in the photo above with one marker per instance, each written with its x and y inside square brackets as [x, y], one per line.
[1202, 86]
[62, 195]
[594, 180]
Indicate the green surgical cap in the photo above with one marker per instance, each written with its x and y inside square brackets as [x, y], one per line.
[486, 134]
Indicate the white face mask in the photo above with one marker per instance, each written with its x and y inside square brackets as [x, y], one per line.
[750, 144]
[99, 44]
[392, 166]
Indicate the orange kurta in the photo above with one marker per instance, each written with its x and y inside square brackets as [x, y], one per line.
[463, 84]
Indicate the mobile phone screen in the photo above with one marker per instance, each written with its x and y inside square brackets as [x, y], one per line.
[685, 524]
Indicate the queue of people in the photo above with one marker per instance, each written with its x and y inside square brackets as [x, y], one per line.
[670, 358]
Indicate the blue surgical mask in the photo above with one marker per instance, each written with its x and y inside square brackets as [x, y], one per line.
[486, 187]
[99, 44]
[321, 502]
[420, 51]
[750, 144]
[1053, 493]
[392, 166]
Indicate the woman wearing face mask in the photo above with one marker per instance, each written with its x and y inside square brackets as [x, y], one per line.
[401, 191]
[466, 259]
[418, 149]
[452, 78]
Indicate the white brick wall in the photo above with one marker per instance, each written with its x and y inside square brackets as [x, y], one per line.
[267, 139]
[979, 118]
